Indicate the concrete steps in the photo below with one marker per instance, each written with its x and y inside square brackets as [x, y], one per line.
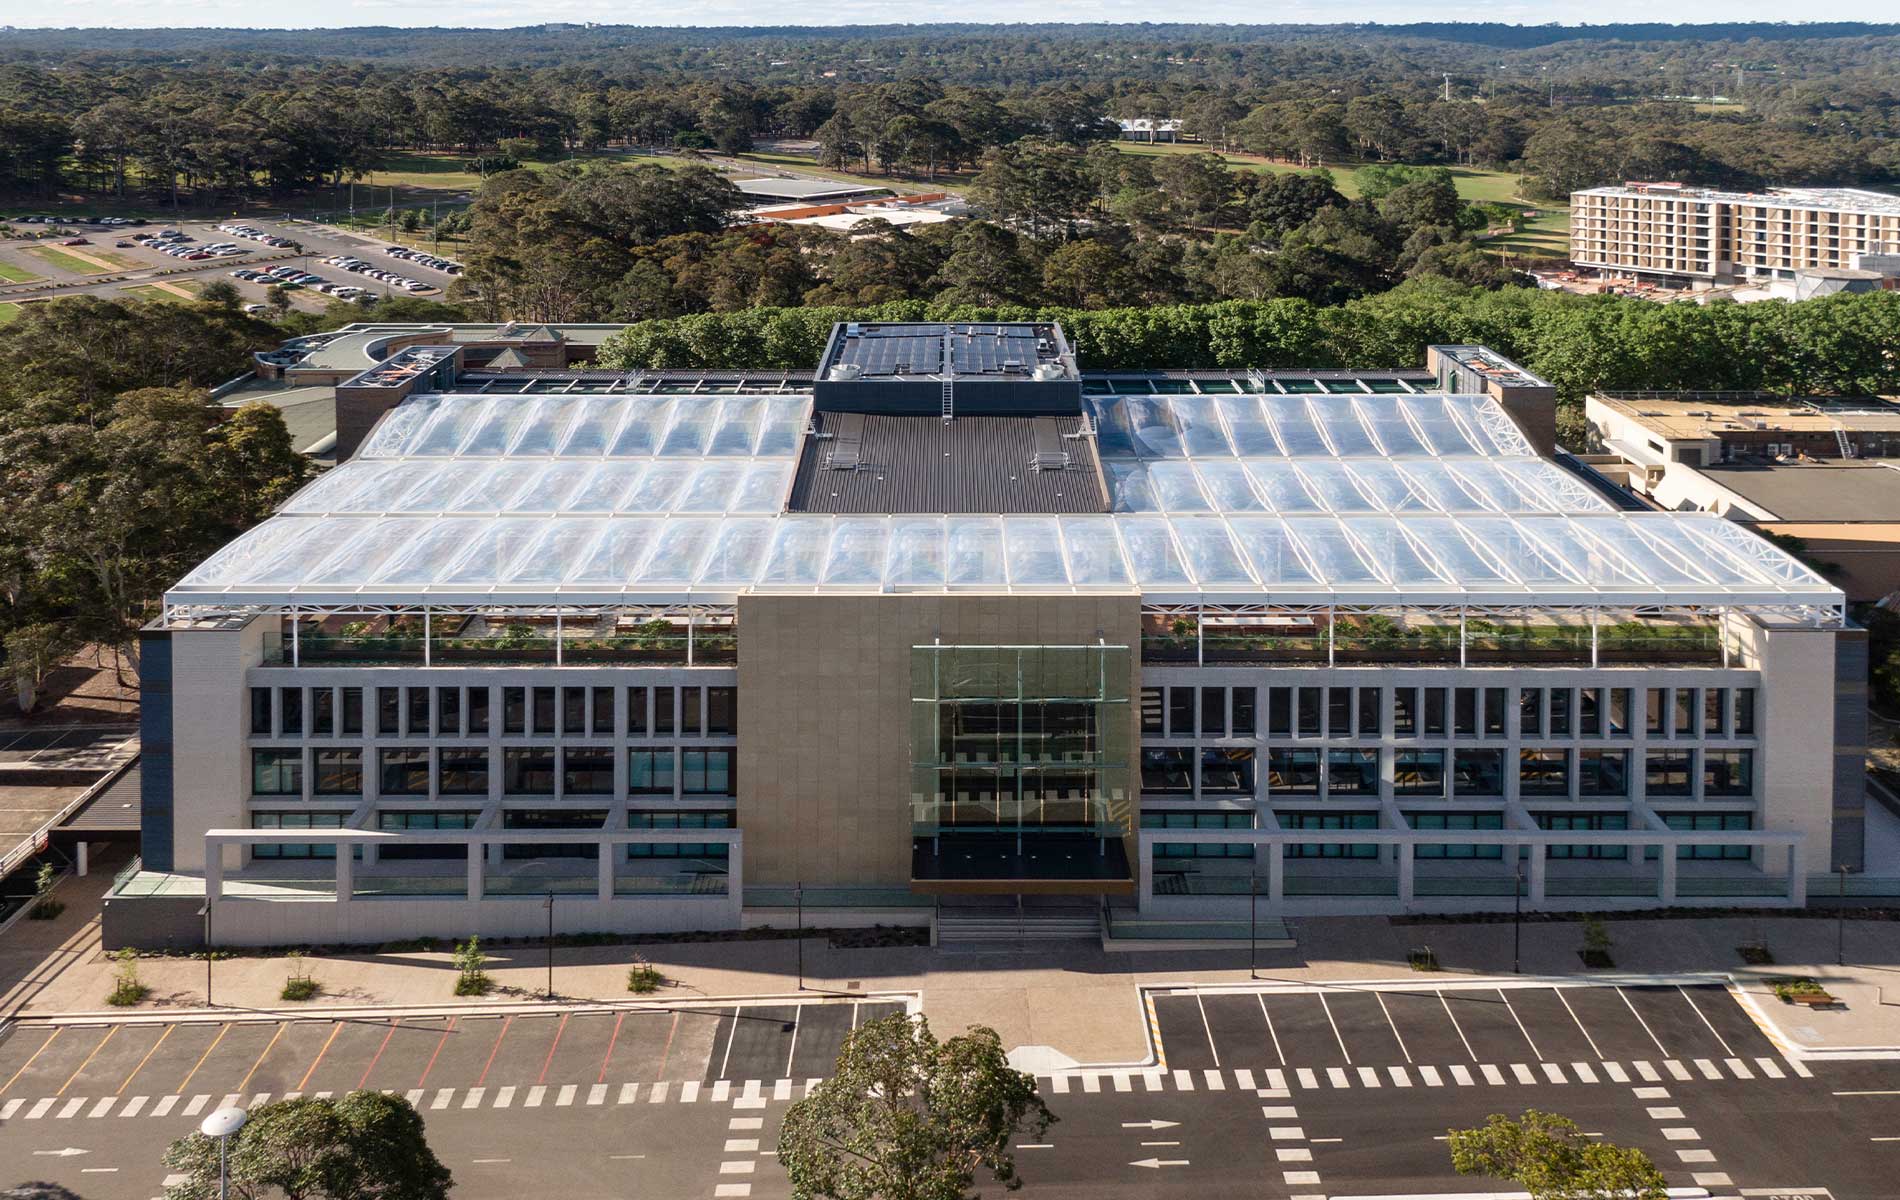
[1033, 926]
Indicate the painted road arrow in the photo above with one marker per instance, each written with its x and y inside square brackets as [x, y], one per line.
[1149, 1124]
[1155, 1164]
[68, 1152]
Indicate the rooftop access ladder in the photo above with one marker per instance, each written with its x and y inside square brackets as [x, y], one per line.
[1847, 447]
[949, 399]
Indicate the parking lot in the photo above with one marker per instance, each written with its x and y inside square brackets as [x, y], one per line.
[1342, 1035]
[676, 1053]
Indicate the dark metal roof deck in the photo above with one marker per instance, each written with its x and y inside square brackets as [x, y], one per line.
[864, 463]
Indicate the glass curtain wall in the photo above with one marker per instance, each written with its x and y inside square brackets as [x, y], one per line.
[1016, 741]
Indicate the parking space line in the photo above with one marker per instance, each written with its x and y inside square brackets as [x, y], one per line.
[1328, 1009]
[552, 1047]
[57, 1030]
[364, 1082]
[732, 1032]
[496, 1049]
[1207, 1029]
[440, 1042]
[222, 1030]
[143, 1061]
[82, 1066]
[666, 1051]
[1594, 1048]
[1705, 1019]
[281, 1026]
[1660, 1048]
[1455, 1025]
[798, 1019]
[1271, 1032]
[611, 1042]
[1380, 997]
[1512, 1009]
[334, 1030]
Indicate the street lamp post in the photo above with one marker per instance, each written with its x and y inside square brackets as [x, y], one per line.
[1840, 919]
[205, 912]
[798, 897]
[1517, 916]
[221, 1124]
[549, 905]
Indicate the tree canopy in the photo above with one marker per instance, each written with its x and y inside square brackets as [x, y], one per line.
[361, 1146]
[1551, 1159]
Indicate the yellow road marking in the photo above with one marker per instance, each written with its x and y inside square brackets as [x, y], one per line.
[260, 1058]
[222, 1030]
[29, 1062]
[88, 1062]
[146, 1059]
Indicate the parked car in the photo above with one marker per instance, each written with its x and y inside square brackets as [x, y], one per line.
[75, 242]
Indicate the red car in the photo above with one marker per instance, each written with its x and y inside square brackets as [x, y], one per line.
[75, 242]
[195, 257]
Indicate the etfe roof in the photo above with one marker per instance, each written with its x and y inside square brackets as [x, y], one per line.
[1246, 498]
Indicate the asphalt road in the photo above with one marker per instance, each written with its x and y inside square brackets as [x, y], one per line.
[687, 1102]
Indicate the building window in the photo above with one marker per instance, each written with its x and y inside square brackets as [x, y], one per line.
[277, 772]
[295, 820]
[1620, 702]
[1560, 712]
[477, 710]
[1530, 712]
[722, 711]
[1339, 712]
[1728, 773]
[1587, 822]
[1418, 772]
[422, 822]
[1213, 712]
[1477, 773]
[1199, 820]
[260, 712]
[1244, 720]
[1449, 821]
[1744, 712]
[637, 711]
[1543, 772]
[528, 770]
[706, 772]
[1310, 699]
[1603, 773]
[551, 819]
[638, 819]
[1368, 712]
[322, 712]
[418, 712]
[1710, 823]
[1279, 712]
[650, 772]
[403, 772]
[689, 712]
[1352, 773]
[1669, 773]
[1227, 772]
[573, 712]
[1313, 820]
[1686, 713]
[389, 711]
[544, 715]
[290, 711]
[1293, 773]
[1404, 712]
[1167, 772]
[352, 711]
[1495, 702]
[339, 773]
[662, 711]
[1180, 712]
[1656, 711]
[1153, 708]
[448, 711]
[1589, 712]
[1434, 712]
[587, 771]
[462, 771]
[514, 710]
[1714, 711]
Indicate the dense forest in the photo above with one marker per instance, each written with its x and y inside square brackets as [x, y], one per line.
[232, 114]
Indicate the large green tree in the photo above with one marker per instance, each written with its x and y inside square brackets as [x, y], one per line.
[361, 1146]
[1548, 1157]
[906, 1117]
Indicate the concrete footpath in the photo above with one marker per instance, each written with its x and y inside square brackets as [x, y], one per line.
[1070, 1003]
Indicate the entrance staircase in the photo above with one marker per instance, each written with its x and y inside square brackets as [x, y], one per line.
[1009, 923]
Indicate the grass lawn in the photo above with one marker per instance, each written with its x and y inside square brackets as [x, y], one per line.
[151, 291]
[419, 170]
[14, 273]
[79, 266]
[8, 312]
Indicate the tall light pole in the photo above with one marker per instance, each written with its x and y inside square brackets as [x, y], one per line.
[205, 912]
[221, 1124]
[549, 905]
[1840, 919]
[798, 896]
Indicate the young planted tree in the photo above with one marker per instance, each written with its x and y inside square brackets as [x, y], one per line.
[364, 1146]
[1547, 1156]
[906, 1117]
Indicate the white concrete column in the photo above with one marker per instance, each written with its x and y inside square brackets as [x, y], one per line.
[345, 872]
[475, 856]
[604, 889]
[1407, 863]
[1797, 878]
[81, 865]
[1535, 891]
[214, 872]
[1276, 874]
[1666, 875]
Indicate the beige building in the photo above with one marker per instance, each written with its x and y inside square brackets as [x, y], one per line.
[1677, 232]
[952, 623]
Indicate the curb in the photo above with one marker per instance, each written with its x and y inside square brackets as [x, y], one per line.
[231, 1016]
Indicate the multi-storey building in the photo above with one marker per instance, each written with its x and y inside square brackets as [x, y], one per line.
[954, 618]
[1676, 232]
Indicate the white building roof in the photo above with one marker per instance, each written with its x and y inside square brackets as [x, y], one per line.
[615, 499]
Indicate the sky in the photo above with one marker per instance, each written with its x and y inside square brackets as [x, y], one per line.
[505, 13]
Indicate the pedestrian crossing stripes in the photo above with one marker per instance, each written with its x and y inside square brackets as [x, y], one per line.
[1456, 1075]
[740, 1094]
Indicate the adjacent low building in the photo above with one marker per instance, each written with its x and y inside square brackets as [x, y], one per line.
[954, 620]
[1674, 232]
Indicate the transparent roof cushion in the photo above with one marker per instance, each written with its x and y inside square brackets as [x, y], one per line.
[1304, 427]
[1451, 485]
[1604, 557]
[591, 426]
